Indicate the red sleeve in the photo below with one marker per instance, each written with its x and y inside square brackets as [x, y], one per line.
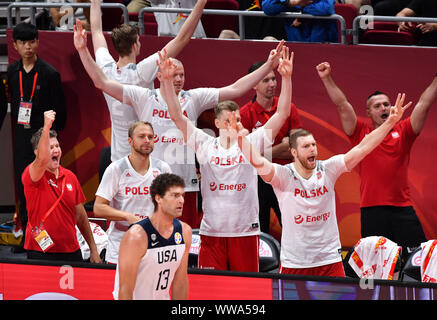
[27, 181]
[246, 120]
[358, 135]
[80, 197]
[409, 135]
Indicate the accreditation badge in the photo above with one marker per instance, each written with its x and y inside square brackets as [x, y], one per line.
[24, 113]
[42, 237]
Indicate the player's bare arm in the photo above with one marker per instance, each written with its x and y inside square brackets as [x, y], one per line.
[133, 247]
[97, 36]
[373, 139]
[111, 87]
[244, 84]
[165, 75]
[83, 224]
[346, 111]
[102, 209]
[285, 69]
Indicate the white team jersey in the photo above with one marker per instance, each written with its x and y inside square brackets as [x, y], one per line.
[170, 23]
[169, 142]
[229, 185]
[159, 265]
[129, 191]
[123, 115]
[310, 235]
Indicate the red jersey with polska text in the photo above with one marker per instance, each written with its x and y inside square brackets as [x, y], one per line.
[60, 224]
[384, 171]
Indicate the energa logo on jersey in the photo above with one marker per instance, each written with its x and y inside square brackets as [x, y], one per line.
[323, 217]
[227, 187]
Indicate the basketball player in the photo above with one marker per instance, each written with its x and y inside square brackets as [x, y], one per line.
[151, 107]
[230, 228]
[123, 195]
[126, 70]
[154, 252]
[310, 243]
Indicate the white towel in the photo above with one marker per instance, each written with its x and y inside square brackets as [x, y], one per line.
[428, 266]
[375, 258]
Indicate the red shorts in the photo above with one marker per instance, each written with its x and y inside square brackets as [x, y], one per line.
[329, 270]
[190, 214]
[229, 253]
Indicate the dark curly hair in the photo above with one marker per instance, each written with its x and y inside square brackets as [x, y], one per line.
[163, 183]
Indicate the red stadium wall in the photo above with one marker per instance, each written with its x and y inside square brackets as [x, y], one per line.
[358, 70]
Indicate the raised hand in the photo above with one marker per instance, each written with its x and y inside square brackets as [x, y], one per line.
[166, 67]
[235, 127]
[275, 54]
[49, 118]
[80, 36]
[285, 67]
[324, 70]
[397, 111]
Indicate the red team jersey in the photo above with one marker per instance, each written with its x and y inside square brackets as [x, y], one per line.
[61, 223]
[254, 116]
[384, 172]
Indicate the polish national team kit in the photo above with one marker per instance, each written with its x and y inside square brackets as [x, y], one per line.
[310, 236]
[122, 115]
[128, 191]
[230, 203]
[169, 142]
[158, 266]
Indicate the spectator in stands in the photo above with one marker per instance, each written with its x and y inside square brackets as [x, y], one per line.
[123, 194]
[427, 31]
[65, 17]
[54, 202]
[310, 243]
[170, 23]
[134, 6]
[34, 87]
[386, 206]
[150, 106]
[260, 27]
[3, 102]
[254, 115]
[229, 232]
[307, 30]
[388, 7]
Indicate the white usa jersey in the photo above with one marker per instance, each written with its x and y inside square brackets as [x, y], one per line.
[123, 115]
[128, 191]
[158, 266]
[310, 235]
[229, 186]
[169, 142]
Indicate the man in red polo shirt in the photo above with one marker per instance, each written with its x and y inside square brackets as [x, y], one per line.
[386, 206]
[254, 115]
[54, 203]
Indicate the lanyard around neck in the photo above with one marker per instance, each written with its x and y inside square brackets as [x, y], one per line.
[33, 87]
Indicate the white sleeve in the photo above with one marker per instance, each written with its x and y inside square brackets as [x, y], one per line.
[108, 187]
[166, 168]
[203, 99]
[147, 68]
[282, 177]
[103, 57]
[138, 98]
[260, 139]
[198, 141]
[335, 166]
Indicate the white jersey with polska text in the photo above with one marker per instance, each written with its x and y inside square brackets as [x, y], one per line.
[169, 142]
[122, 115]
[229, 185]
[128, 191]
[310, 235]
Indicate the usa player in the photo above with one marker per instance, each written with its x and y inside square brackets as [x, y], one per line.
[123, 195]
[310, 243]
[154, 252]
[230, 228]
